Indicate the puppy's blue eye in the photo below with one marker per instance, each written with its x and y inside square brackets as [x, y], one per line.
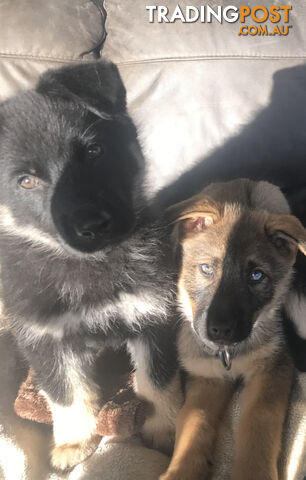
[207, 270]
[256, 276]
[94, 150]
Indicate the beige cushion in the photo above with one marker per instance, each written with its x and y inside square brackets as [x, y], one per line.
[36, 35]
[132, 38]
[193, 86]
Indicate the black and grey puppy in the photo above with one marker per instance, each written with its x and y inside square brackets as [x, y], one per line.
[79, 269]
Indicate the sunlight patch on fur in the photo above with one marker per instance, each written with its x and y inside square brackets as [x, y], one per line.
[26, 232]
[12, 459]
[296, 307]
[297, 451]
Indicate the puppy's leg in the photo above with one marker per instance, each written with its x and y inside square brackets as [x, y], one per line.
[66, 381]
[196, 428]
[157, 381]
[265, 401]
[74, 424]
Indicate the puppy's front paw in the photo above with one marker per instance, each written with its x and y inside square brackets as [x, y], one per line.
[68, 455]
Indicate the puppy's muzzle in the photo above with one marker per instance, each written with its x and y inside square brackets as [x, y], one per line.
[93, 225]
[222, 333]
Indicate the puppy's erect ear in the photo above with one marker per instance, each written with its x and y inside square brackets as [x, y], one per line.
[287, 233]
[265, 196]
[194, 215]
[96, 85]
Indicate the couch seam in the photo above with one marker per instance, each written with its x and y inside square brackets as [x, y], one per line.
[157, 60]
[20, 56]
[211, 57]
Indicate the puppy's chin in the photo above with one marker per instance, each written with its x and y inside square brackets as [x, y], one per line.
[199, 332]
[71, 251]
[79, 249]
[204, 343]
[99, 248]
[212, 348]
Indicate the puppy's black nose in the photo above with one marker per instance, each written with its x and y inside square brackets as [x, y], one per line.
[220, 333]
[94, 225]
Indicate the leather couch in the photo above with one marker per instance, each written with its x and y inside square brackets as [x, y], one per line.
[205, 100]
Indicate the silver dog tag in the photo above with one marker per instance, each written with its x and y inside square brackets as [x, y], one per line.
[225, 358]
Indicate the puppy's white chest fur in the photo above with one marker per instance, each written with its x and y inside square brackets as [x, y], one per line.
[130, 308]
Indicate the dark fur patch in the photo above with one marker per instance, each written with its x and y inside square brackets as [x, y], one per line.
[295, 343]
[236, 301]
[161, 342]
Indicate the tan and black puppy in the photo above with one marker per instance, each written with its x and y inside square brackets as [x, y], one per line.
[239, 244]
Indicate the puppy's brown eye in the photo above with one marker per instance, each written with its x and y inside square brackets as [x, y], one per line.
[207, 270]
[94, 150]
[28, 182]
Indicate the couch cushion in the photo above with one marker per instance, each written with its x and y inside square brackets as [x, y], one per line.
[133, 38]
[36, 35]
[191, 87]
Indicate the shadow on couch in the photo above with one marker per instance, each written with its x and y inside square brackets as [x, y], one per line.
[272, 147]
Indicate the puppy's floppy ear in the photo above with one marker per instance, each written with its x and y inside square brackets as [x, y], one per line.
[193, 215]
[287, 233]
[96, 85]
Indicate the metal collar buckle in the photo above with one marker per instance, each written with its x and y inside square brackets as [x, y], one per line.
[226, 358]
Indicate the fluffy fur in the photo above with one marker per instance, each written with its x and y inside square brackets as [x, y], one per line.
[238, 250]
[82, 266]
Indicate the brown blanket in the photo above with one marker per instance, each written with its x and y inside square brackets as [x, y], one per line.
[122, 413]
